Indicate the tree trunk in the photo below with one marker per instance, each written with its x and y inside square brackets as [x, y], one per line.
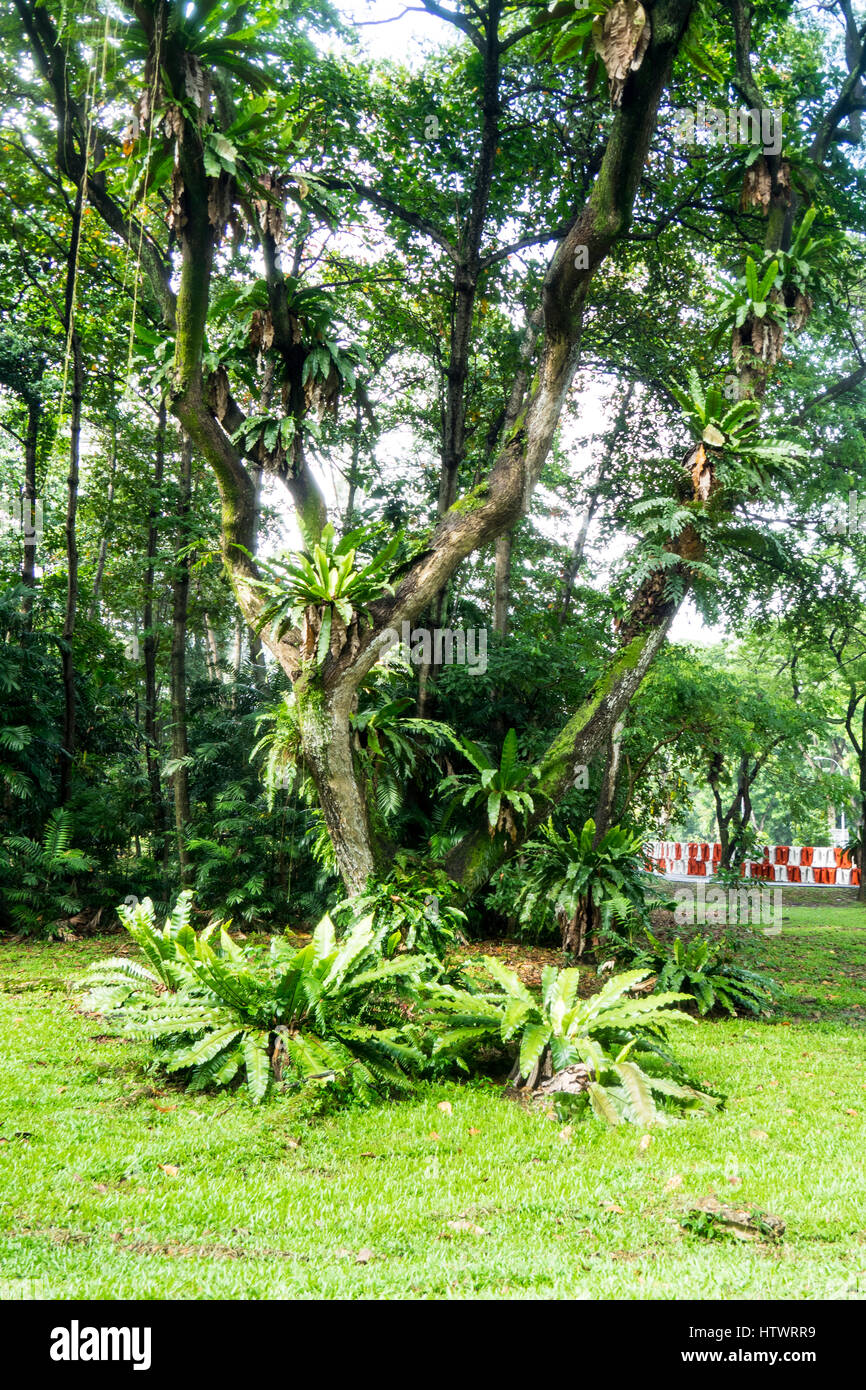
[502, 593]
[109, 504]
[353, 467]
[74, 348]
[67, 664]
[474, 859]
[212, 648]
[861, 758]
[257, 657]
[151, 641]
[28, 565]
[607, 794]
[180, 602]
[579, 928]
[328, 757]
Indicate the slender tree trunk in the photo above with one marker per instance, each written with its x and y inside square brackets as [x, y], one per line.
[67, 664]
[257, 658]
[356, 455]
[74, 348]
[502, 583]
[31, 439]
[213, 651]
[109, 507]
[151, 641]
[723, 820]
[607, 794]
[180, 604]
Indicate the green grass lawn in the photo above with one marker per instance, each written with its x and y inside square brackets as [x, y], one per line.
[115, 1184]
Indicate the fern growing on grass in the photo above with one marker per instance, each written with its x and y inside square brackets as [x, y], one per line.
[606, 1048]
[327, 1012]
[703, 969]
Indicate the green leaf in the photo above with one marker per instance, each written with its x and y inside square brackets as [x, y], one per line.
[535, 1038]
[507, 980]
[255, 1055]
[636, 1084]
[602, 1103]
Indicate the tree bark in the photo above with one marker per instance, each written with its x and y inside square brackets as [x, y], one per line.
[180, 602]
[329, 759]
[257, 658]
[67, 662]
[73, 342]
[102, 553]
[607, 793]
[861, 759]
[151, 640]
[28, 564]
[502, 582]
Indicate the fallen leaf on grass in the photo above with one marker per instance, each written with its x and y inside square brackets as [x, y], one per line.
[566, 1132]
[293, 1143]
[364, 1256]
[673, 1182]
[612, 1206]
[645, 1143]
[164, 1109]
[432, 1134]
[446, 1107]
[473, 1130]
[759, 1134]
[171, 1170]
[467, 1226]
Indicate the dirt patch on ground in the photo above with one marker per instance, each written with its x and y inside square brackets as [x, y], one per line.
[528, 961]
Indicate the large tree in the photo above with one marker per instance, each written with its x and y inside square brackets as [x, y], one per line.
[234, 124]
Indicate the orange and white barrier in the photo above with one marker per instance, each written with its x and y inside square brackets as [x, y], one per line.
[813, 864]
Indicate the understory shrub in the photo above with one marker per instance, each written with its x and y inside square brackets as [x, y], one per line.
[607, 1052]
[413, 908]
[41, 881]
[362, 1014]
[329, 1011]
[702, 968]
[575, 882]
